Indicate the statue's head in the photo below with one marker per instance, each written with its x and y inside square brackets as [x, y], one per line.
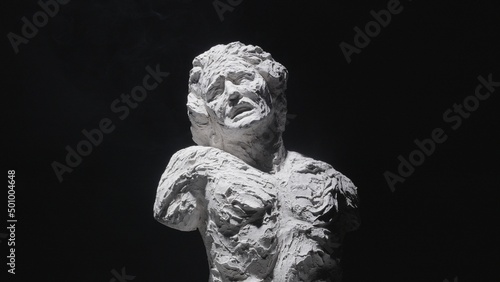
[235, 91]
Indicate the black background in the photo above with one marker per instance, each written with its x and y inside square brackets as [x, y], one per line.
[441, 223]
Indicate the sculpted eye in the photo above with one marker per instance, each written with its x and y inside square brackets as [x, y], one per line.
[215, 89]
[247, 76]
[213, 94]
[242, 76]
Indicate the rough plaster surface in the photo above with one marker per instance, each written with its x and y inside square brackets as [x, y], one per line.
[264, 213]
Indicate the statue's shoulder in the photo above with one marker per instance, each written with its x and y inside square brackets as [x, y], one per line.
[194, 152]
[303, 165]
[197, 159]
[299, 163]
[194, 155]
[320, 177]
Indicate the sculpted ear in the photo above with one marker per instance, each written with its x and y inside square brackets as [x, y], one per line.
[197, 113]
[200, 123]
[275, 74]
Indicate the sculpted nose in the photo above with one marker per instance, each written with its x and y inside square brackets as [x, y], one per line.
[233, 93]
[234, 98]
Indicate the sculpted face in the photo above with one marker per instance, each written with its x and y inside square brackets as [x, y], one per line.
[237, 94]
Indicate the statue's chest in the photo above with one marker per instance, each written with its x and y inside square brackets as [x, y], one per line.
[308, 196]
[239, 195]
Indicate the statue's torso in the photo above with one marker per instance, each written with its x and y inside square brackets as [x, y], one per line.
[270, 226]
[267, 227]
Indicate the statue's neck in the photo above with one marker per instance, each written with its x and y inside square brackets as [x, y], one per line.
[264, 151]
[268, 159]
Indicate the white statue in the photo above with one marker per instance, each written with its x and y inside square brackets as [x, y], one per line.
[265, 214]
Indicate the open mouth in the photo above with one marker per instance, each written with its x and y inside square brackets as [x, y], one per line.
[240, 109]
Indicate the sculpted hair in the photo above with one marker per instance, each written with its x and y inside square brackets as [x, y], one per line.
[274, 73]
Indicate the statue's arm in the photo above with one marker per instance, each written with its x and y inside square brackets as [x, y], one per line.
[180, 196]
[346, 195]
